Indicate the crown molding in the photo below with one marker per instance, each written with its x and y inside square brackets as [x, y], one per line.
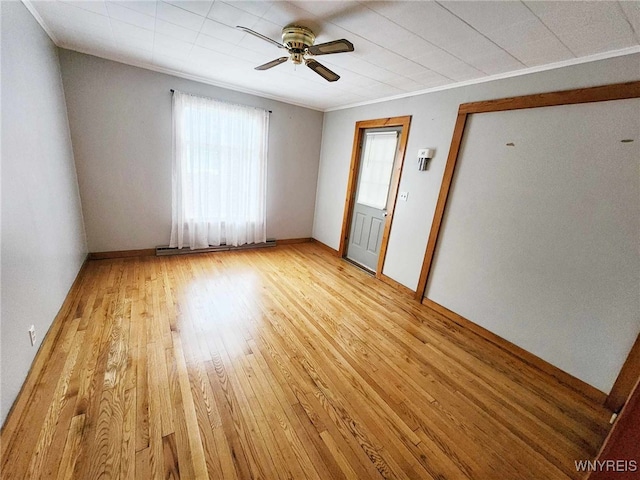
[40, 20]
[156, 68]
[189, 76]
[228, 86]
[500, 76]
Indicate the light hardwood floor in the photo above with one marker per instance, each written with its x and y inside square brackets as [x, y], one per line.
[282, 363]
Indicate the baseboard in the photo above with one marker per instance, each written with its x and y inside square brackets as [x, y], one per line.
[397, 285]
[14, 417]
[145, 252]
[291, 241]
[563, 377]
[150, 252]
[166, 251]
[325, 246]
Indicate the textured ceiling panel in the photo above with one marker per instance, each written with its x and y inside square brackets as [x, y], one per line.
[401, 47]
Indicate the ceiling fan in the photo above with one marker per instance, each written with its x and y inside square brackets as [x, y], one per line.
[298, 41]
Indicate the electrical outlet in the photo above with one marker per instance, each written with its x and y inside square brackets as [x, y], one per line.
[32, 335]
[404, 196]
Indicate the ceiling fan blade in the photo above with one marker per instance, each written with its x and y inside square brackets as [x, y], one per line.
[272, 63]
[337, 46]
[321, 70]
[259, 35]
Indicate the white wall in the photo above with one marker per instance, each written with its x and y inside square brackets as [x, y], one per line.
[539, 243]
[43, 240]
[120, 118]
[432, 124]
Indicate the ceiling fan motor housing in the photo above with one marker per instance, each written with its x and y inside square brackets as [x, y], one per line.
[299, 42]
[298, 39]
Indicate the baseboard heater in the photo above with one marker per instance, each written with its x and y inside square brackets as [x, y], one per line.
[161, 251]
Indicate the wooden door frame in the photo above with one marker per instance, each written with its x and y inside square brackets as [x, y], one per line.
[630, 371]
[620, 432]
[628, 376]
[604, 93]
[352, 184]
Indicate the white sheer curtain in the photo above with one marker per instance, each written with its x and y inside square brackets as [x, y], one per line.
[219, 173]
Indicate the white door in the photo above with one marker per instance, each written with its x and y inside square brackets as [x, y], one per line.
[379, 150]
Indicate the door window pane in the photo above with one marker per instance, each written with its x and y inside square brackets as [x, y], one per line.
[376, 168]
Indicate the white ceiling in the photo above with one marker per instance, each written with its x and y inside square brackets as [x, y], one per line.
[401, 47]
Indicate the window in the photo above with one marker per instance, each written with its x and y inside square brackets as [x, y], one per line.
[376, 168]
[219, 173]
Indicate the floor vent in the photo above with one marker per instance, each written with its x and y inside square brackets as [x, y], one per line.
[161, 251]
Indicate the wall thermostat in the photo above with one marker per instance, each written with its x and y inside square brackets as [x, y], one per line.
[424, 154]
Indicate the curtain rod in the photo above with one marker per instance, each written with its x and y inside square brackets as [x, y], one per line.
[172, 90]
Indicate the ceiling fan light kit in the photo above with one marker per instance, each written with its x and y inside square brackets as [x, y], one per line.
[298, 41]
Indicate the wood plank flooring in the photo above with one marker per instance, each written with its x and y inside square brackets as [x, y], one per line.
[282, 363]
